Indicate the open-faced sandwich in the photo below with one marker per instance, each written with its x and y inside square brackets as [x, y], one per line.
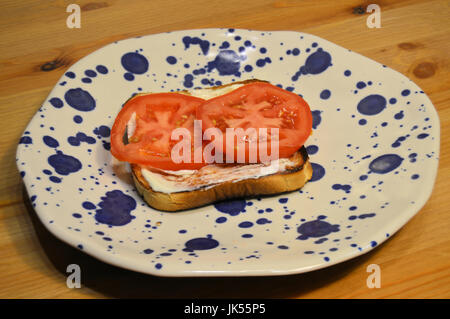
[189, 149]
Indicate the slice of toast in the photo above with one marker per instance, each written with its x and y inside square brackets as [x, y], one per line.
[291, 176]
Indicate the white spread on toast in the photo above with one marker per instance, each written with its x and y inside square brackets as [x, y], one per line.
[208, 176]
[209, 93]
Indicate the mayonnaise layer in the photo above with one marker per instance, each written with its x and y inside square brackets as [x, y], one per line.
[208, 176]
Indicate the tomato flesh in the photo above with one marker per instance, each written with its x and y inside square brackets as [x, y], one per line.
[155, 116]
[259, 105]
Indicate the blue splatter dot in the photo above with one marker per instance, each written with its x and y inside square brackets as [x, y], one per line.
[88, 205]
[135, 63]
[325, 94]
[56, 102]
[80, 100]
[64, 164]
[406, 92]
[202, 243]
[316, 119]
[312, 149]
[103, 131]
[347, 72]
[344, 187]
[316, 63]
[385, 163]
[422, 136]
[318, 172]
[233, 208]
[221, 220]
[204, 44]
[171, 60]
[399, 115]
[245, 224]
[128, 76]
[55, 179]
[70, 75]
[115, 209]
[77, 119]
[227, 62]
[101, 69]
[26, 140]
[90, 73]
[188, 78]
[224, 45]
[262, 221]
[360, 85]
[372, 104]
[50, 141]
[316, 228]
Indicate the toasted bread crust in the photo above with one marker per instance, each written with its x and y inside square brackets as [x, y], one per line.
[287, 181]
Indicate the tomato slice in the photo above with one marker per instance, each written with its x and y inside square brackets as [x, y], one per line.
[153, 117]
[259, 105]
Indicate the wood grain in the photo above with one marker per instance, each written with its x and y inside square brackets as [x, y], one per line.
[414, 39]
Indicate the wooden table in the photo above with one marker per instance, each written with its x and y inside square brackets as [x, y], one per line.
[36, 49]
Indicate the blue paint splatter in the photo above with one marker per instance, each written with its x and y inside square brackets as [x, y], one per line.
[372, 104]
[312, 149]
[325, 94]
[101, 69]
[64, 164]
[90, 73]
[77, 119]
[316, 63]
[135, 63]
[385, 163]
[318, 172]
[115, 209]
[344, 187]
[245, 224]
[201, 243]
[316, 228]
[399, 115]
[79, 138]
[316, 119]
[233, 208]
[204, 44]
[50, 141]
[227, 62]
[26, 140]
[88, 205]
[171, 60]
[103, 131]
[80, 100]
[56, 102]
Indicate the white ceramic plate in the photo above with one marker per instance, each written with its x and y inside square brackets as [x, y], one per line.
[375, 149]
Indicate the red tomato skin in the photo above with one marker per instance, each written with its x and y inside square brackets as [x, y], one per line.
[132, 152]
[253, 91]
